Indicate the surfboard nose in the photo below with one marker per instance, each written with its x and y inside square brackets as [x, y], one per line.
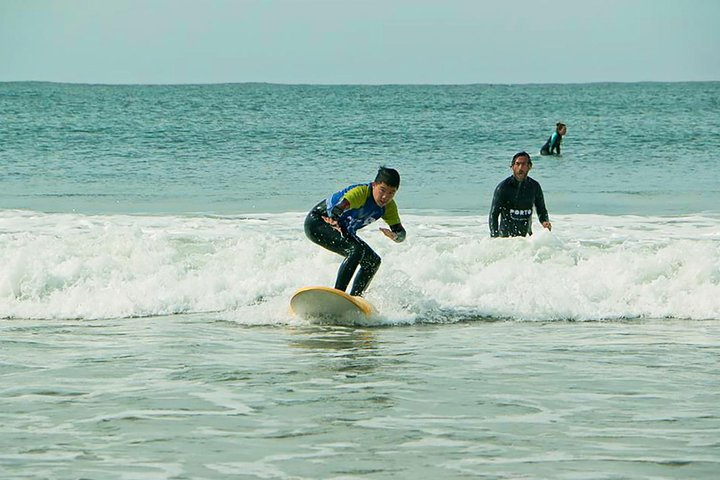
[328, 303]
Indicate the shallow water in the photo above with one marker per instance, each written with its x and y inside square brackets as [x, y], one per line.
[201, 397]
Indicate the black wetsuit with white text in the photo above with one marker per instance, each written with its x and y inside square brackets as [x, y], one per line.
[513, 203]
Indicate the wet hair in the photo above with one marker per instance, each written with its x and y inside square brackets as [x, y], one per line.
[388, 176]
[559, 125]
[521, 154]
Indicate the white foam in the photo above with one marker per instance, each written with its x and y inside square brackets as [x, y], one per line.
[590, 267]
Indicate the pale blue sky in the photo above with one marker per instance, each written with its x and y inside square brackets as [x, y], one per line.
[359, 41]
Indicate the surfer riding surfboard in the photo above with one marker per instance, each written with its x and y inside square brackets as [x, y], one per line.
[333, 224]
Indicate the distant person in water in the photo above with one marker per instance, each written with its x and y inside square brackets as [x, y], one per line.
[514, 199]
[552, 146]
[333, 224]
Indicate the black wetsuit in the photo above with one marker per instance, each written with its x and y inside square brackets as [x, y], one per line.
[552, 146]
[349, 245]
[513, 202]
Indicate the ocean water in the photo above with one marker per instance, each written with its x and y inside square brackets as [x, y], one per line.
[151, 236]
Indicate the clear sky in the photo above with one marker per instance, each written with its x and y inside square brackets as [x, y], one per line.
[359, 41]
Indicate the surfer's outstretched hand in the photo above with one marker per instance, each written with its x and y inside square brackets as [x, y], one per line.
[389, 233]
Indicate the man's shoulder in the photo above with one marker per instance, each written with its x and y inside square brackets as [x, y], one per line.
[510, 184]
[533, 184]
[506, 181]
[358, 189]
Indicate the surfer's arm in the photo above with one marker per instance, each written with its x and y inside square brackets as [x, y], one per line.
[353, 199]
[555, 143]
[339, 209]
[333, 215]
[395, 233]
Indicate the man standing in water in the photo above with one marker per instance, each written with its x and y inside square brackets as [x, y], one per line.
[514, 199]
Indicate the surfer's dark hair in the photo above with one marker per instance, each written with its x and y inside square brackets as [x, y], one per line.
[388, 176]
[521, 154]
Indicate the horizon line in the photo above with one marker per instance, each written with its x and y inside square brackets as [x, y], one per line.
[396, 84]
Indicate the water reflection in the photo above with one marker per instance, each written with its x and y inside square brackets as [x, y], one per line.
[329, 337]
[347, 350]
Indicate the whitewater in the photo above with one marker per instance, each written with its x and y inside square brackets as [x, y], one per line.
[71, 266]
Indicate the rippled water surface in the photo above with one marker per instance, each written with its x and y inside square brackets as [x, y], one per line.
[201, 397]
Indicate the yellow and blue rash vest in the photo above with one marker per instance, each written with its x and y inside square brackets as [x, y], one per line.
[363, 210]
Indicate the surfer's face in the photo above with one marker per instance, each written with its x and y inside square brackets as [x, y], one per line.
[520, 168]
[382, 193]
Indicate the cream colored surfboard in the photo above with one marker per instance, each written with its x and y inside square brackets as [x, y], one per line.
[328, 303]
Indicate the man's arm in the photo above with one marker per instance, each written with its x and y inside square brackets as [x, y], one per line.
[541, 209]
[495, 213]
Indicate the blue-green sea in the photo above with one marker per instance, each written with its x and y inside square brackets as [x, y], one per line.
[151, 237]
